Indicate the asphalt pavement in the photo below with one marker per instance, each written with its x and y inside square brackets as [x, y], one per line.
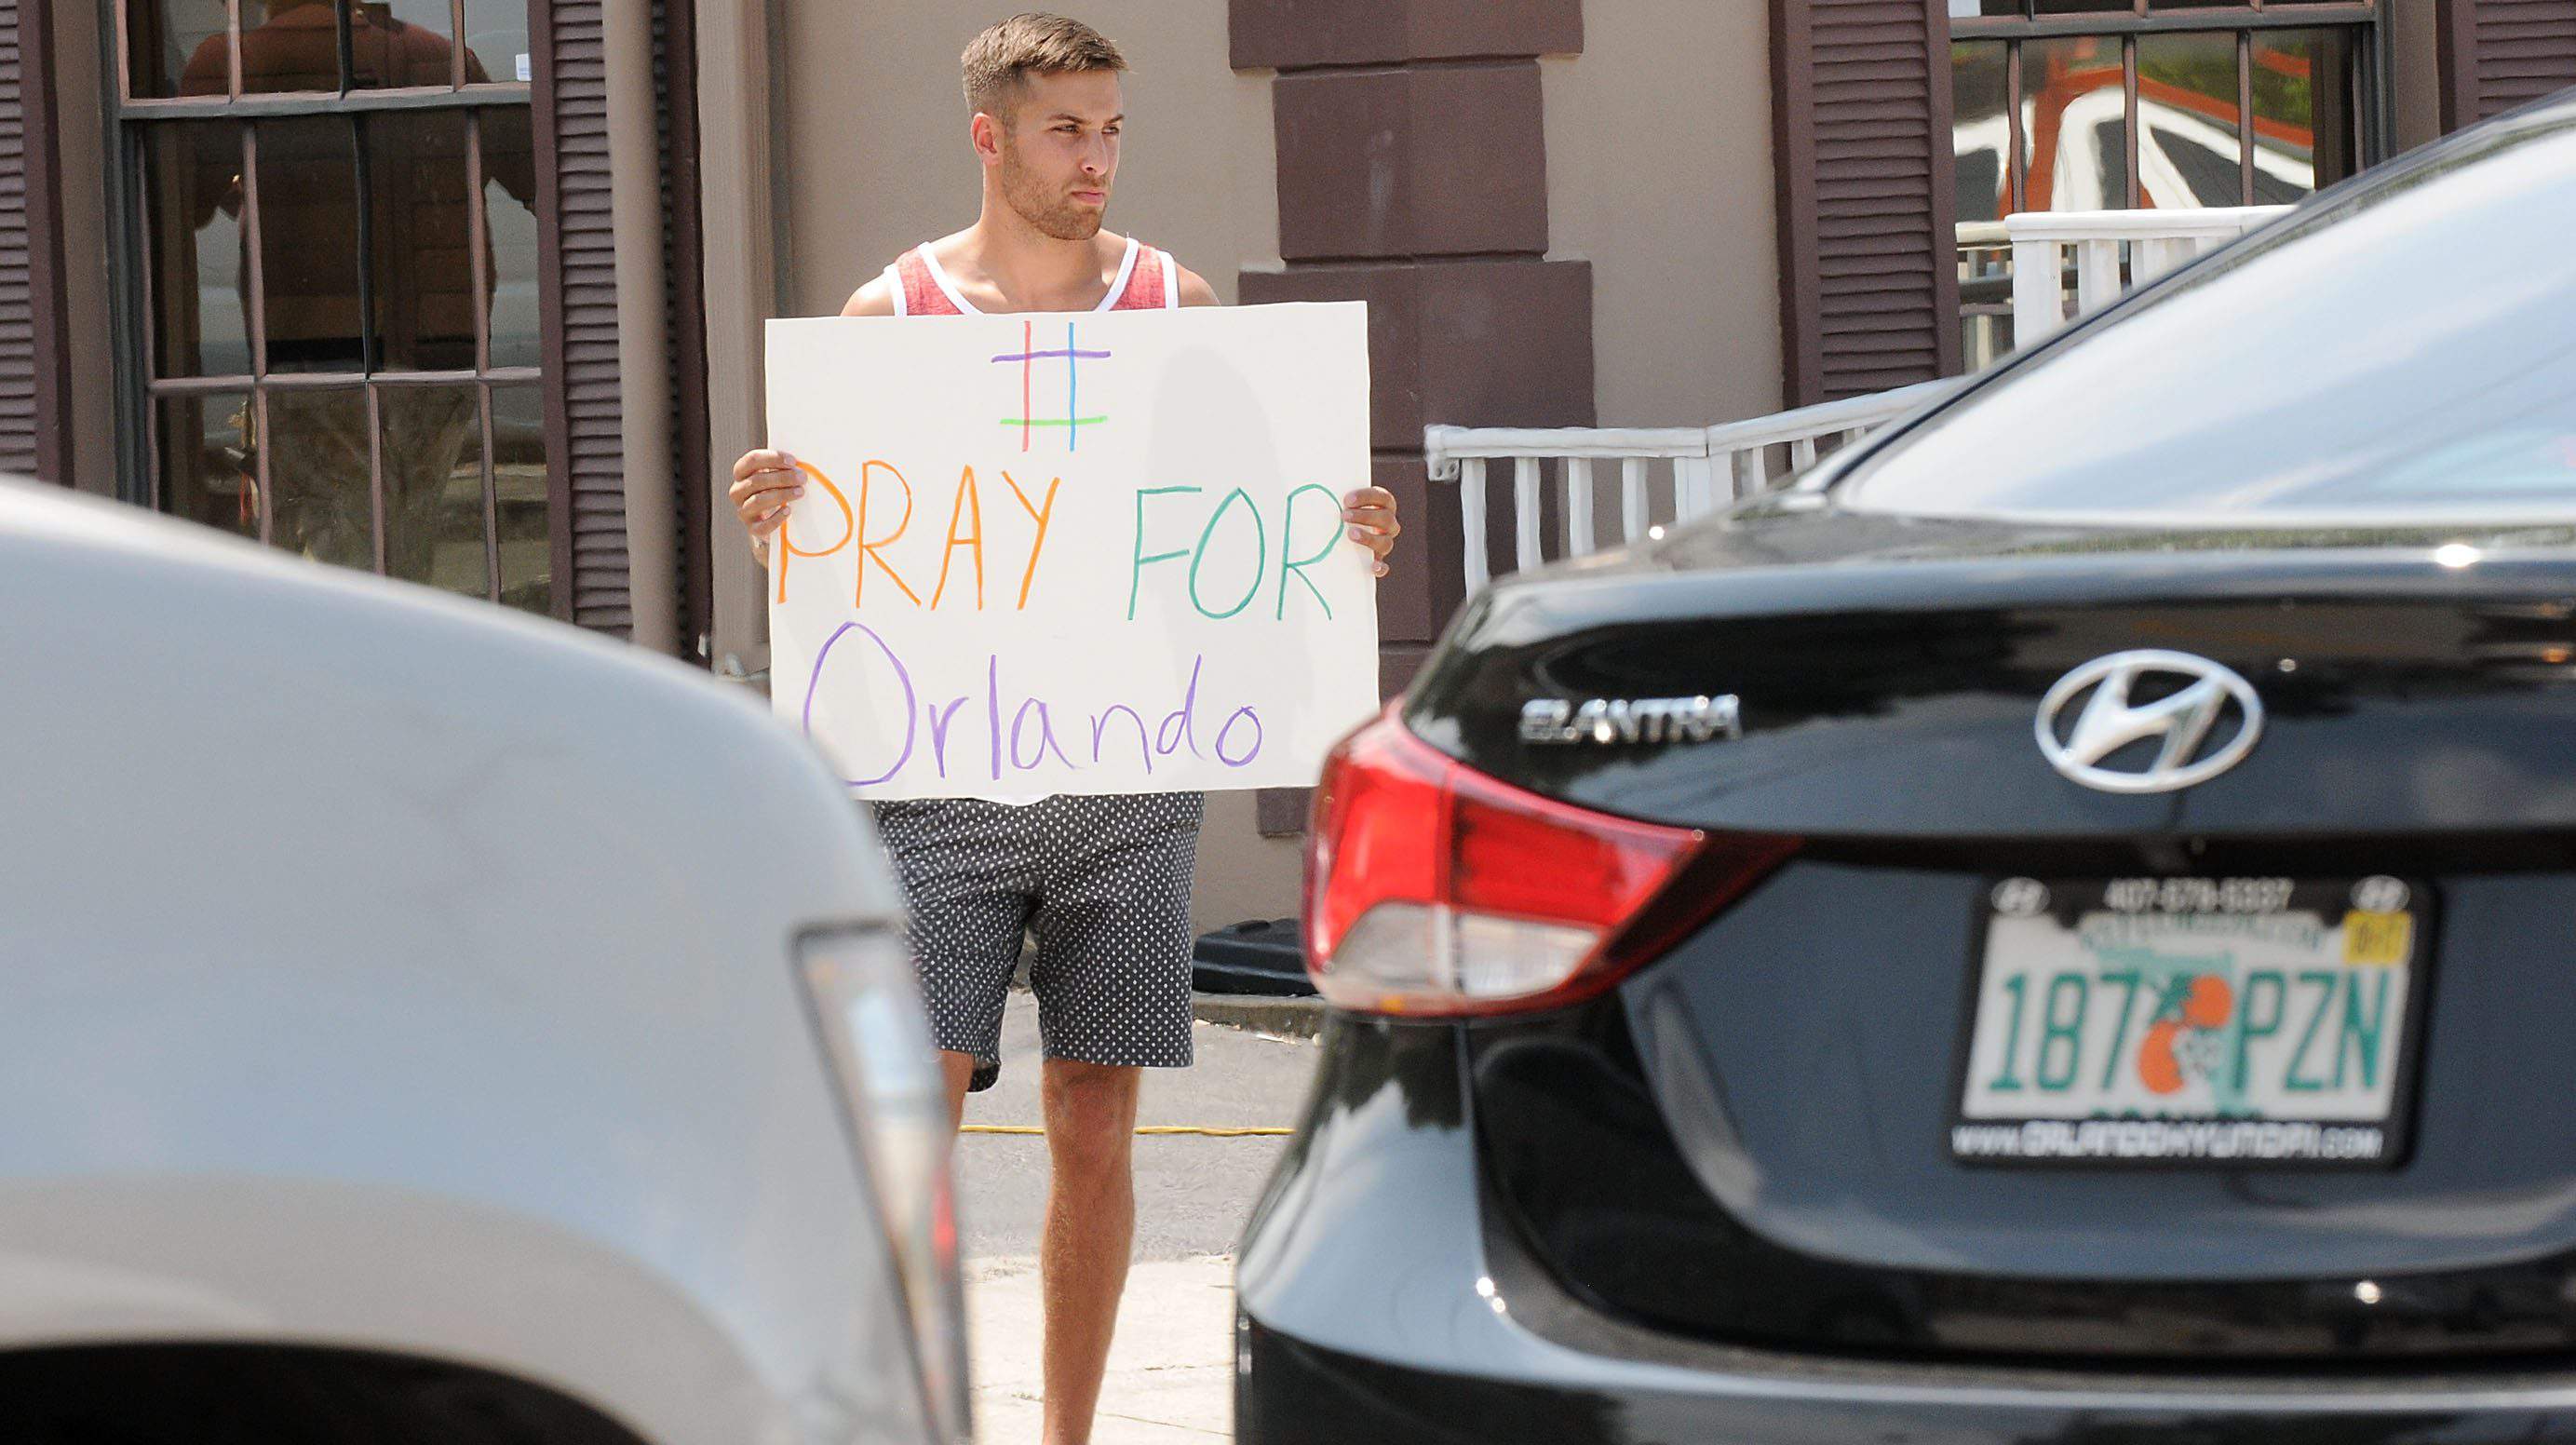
[1171, 1369]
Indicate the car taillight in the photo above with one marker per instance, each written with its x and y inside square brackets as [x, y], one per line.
[867, 1010]
[1434, 890]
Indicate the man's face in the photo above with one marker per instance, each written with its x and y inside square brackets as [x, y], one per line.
[1059, 152]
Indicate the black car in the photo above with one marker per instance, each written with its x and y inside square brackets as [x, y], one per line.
[2061, 926]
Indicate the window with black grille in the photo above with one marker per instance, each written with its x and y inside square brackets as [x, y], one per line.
[330, 298]
[2075, 105]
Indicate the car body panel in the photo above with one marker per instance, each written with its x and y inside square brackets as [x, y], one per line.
[1942, 661]
[388, 972]
[1445, 1328]
[1702, 1182]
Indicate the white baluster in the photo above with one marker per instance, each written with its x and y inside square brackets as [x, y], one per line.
[1525, 510]
[1632, 498]
[1691, 488]
[1802, 454]
[2039, 303]
[1745, 467]
[1471, 520]
[2097, 275]
[1578, 505]
[2156, 255]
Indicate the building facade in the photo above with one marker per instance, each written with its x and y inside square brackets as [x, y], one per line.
[470, 292]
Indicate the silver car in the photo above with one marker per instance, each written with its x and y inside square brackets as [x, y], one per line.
[423, 1022]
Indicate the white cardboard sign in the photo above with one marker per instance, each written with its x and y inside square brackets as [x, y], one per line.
[1089, 552]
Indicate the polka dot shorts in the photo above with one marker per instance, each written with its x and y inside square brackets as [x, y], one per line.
[1105, 880]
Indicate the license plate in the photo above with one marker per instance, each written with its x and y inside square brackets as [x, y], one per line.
[2212, 1022]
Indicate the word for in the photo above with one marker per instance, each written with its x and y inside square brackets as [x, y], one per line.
[1029, 739]
[1290, 565]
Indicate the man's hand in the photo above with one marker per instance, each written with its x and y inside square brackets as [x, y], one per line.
[764, 483]
[1370, 513]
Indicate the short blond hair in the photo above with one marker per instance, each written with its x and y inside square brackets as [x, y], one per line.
[999, 62]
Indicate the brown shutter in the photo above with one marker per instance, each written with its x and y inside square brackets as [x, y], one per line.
[1869, 281]
[2497, 54]
[585, 449]
[33, 346]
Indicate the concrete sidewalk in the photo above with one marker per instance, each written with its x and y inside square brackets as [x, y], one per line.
[1171, 1370]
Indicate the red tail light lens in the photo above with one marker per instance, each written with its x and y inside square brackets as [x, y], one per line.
[1435, 890]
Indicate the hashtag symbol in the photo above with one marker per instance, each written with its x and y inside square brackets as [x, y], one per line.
[1027, 358]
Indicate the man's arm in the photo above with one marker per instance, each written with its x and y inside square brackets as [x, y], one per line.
[1195, 291]
[874, 299]
[1369, 511]
[765, 481]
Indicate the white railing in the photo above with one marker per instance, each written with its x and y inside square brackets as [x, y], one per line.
[1695, 460]
[1707, 467]
[2157, 242]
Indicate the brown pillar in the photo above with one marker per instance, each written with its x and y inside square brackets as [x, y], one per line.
[1413, 176]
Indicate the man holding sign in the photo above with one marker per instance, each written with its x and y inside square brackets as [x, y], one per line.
[1141, 589]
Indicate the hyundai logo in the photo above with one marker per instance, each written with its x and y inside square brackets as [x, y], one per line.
[2090, 719]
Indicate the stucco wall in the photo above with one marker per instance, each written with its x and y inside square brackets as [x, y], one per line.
[874, 157]
[1659, 174]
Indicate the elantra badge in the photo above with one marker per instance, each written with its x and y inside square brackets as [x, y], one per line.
[1630, 720]
[2203, 720]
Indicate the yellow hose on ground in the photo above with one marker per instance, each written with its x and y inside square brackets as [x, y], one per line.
[1211, 1131]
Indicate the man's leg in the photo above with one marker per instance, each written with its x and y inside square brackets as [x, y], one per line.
[957, 1071]
[1112, 977]
[1090, 1229]
[967, 892]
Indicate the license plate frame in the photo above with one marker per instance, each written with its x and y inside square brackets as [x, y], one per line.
[2199, 1139]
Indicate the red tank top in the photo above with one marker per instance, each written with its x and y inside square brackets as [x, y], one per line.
[1147, 281]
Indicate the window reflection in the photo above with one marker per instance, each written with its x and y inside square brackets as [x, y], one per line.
[496, 41]
[2190, 129]
[394, 44]
[308, 236]
[2074, 124]
[421, 238]
[177, 47]
[2341, 367]
[206, 460]
[193, 174]
[433, 457]
[1981, 131]
[510, 215]
[380, 239]
[318, 448]
[520, 494]
[2303, 126]
[289, 45]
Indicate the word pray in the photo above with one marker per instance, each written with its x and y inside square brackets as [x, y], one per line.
[966, 512]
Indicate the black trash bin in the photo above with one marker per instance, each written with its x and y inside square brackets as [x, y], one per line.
[1258, 957]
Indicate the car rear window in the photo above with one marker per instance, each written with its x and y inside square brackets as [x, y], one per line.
[2405, 354]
